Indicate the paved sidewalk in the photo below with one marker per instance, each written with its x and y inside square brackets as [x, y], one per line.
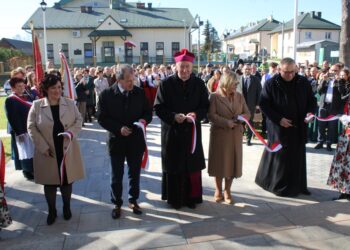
[257, 220]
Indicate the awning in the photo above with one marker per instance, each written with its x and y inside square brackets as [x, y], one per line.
[254, 41]
[109, 33]
[129, 43]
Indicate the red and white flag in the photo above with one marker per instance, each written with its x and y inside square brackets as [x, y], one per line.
[69, 88]
[39, 72]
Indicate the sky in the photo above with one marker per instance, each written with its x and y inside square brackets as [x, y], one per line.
[223, 14]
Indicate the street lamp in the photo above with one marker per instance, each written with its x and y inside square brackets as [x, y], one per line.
[184, 33]
[43, 7]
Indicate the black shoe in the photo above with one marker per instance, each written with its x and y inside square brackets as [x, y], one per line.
[51, 217]
[191, 205]
[135, 208]
[306, 192]
[342, 196]
[116, 212]
[319, 146]
[329, 147]
[249, 143]
[67, 214]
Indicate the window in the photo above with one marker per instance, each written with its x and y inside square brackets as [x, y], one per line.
[50, 54]
[308, 35]
[88, 53]
[108, 52]
[328, 35]
[159, 52]
[64, 48]
[144, 52]
[175, 47]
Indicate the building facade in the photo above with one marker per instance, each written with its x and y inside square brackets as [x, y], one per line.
[252, 40]
[112, 31]
[311, 27]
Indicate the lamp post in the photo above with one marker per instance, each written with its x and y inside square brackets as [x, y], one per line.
[184, 34]
[43, 7]
[295, 28]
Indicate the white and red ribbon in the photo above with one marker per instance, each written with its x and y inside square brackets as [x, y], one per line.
[63, 162]
[145, 159]
[194, 133]
[275, 147]
[14, 96]
[329, 118]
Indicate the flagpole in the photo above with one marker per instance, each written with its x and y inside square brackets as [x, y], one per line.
[32, 30]
[295, 28]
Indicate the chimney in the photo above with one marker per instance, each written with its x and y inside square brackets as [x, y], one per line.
[312, 14]
[140, 5]
[319, 14]
[149, 5]
[83, 9]
[301, 13]
[116, 4]
[270, 18]
[242, 28]
[89, 9]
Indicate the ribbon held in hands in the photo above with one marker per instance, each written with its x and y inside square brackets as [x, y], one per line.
[329, 118]
[145, 159]
[194, 133]
[63, 163]
[275, 147]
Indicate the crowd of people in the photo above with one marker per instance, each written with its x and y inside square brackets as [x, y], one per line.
[44, 126]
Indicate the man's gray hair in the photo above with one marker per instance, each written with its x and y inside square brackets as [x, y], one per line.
[287, 60]
[125, 69]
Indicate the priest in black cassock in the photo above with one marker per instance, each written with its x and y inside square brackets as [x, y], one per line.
[180, 97]
[285, 100]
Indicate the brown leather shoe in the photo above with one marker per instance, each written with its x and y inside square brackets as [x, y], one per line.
[116, 213]
[135, 208]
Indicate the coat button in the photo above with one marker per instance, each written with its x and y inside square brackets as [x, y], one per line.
[65, 125]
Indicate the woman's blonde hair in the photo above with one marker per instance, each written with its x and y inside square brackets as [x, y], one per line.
[30, 79]
[227, 80]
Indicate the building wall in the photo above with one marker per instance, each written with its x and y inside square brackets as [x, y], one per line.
[59, 36]
[316, 35]
[242, 45]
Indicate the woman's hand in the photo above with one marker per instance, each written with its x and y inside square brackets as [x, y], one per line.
[48, 153]
[232, 124]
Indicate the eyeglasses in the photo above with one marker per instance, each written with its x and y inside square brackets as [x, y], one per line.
[288, 72]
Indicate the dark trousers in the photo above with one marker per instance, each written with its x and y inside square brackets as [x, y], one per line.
[50, 195]
[133, 158]
[249, 132]
[332, 127]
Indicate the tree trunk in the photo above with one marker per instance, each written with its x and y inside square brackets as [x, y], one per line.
[344, 45]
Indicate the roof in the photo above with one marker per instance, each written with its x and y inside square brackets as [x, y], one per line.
[128, 16]
[266, 24]
[24, 46]
[309, 20]
[110, 33]
[309, 44]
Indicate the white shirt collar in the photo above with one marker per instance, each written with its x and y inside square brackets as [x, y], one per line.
[120, 88]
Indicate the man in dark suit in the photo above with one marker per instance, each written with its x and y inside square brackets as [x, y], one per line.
[250, 87]
[120, 106]
[330, 104]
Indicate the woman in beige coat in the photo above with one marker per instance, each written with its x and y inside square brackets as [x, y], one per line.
[47, 118]
[226, 135]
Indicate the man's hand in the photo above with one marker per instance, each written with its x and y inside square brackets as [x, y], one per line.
[192, 114]
[21, 138]
[180, 118]
[125, 131]
[286, 123]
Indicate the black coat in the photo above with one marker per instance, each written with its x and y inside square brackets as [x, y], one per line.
[116, 110]
[337, 105]
[17, 114]
[80, 88]
[253, 95]
[274, 106]
[175, 96]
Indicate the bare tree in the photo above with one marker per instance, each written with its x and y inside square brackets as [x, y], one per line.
[344, 55]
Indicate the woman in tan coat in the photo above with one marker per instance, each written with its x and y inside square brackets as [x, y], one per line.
[47, 118]
[226, 135]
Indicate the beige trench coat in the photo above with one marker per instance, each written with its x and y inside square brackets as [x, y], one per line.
[225, 145]
[40, 129]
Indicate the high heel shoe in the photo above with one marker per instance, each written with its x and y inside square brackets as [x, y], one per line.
[51, 217]
[218, 197]
[228, 198]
